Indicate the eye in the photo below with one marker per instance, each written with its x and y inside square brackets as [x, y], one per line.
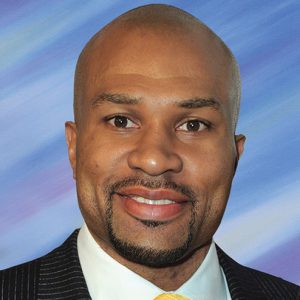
[192, 126]
[122, 122]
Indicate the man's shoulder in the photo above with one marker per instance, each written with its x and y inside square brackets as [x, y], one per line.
[56, 273]
[20, 280]
[248, 283]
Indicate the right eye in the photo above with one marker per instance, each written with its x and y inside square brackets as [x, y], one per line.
[121, 122]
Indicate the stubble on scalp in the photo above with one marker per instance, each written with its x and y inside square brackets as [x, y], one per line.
[159, 19]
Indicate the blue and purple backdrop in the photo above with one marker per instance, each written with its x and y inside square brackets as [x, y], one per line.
[39, 45]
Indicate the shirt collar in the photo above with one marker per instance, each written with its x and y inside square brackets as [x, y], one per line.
[108, 279]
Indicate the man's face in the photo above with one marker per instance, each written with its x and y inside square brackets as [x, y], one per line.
[154, 153]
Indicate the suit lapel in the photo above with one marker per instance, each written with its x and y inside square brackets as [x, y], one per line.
[240, 282]
[61, 276]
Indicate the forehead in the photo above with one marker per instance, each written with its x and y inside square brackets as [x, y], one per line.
[156, 64]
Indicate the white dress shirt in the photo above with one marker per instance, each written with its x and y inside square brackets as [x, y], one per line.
[109, 280]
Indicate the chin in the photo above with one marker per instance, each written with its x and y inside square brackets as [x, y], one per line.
[150, 256]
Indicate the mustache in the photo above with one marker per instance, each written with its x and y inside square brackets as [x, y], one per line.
[150, 183]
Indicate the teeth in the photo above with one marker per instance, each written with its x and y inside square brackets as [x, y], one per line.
[152, 202]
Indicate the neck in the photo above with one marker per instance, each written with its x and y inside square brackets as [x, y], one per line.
[168, 278]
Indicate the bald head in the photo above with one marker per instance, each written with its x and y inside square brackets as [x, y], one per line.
[164, 23]
[156, 102]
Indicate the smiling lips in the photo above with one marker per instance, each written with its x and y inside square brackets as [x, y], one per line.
[149, 204]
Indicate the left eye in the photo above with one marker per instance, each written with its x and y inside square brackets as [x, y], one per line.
[192, 125]
[121, 122]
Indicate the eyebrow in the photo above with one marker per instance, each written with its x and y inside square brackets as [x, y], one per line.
[199, 102]
[115, 98]
[196, 102]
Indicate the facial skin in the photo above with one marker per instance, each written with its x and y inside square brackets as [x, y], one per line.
[156, 115]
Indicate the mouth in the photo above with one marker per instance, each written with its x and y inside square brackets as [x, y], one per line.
[140, 199]
[153, 205]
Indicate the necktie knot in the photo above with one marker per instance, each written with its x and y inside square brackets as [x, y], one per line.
[170, 297]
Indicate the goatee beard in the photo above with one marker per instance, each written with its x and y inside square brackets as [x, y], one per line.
[148, 256]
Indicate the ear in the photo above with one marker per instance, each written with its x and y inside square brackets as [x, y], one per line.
[71, 136]
[239, 144]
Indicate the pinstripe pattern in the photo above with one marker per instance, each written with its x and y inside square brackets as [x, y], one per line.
[246, 283]
[61, 275]
[58, 275]
[20, 282]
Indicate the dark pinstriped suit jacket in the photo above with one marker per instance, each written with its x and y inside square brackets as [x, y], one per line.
[58, 275]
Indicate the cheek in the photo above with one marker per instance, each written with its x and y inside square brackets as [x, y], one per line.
[210, 164]
[99, 157]
[212, 171]
[97, 161]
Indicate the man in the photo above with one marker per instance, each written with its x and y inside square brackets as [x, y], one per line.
[153, 151]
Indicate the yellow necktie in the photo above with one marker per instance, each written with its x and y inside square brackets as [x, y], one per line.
[170, 297]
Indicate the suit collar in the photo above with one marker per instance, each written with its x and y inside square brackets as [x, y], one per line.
[241, 285]
[61, 275]
[63, 262]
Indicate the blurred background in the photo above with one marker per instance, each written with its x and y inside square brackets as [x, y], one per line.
[39, 44]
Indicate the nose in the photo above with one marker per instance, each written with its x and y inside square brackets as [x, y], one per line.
[155, 154]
